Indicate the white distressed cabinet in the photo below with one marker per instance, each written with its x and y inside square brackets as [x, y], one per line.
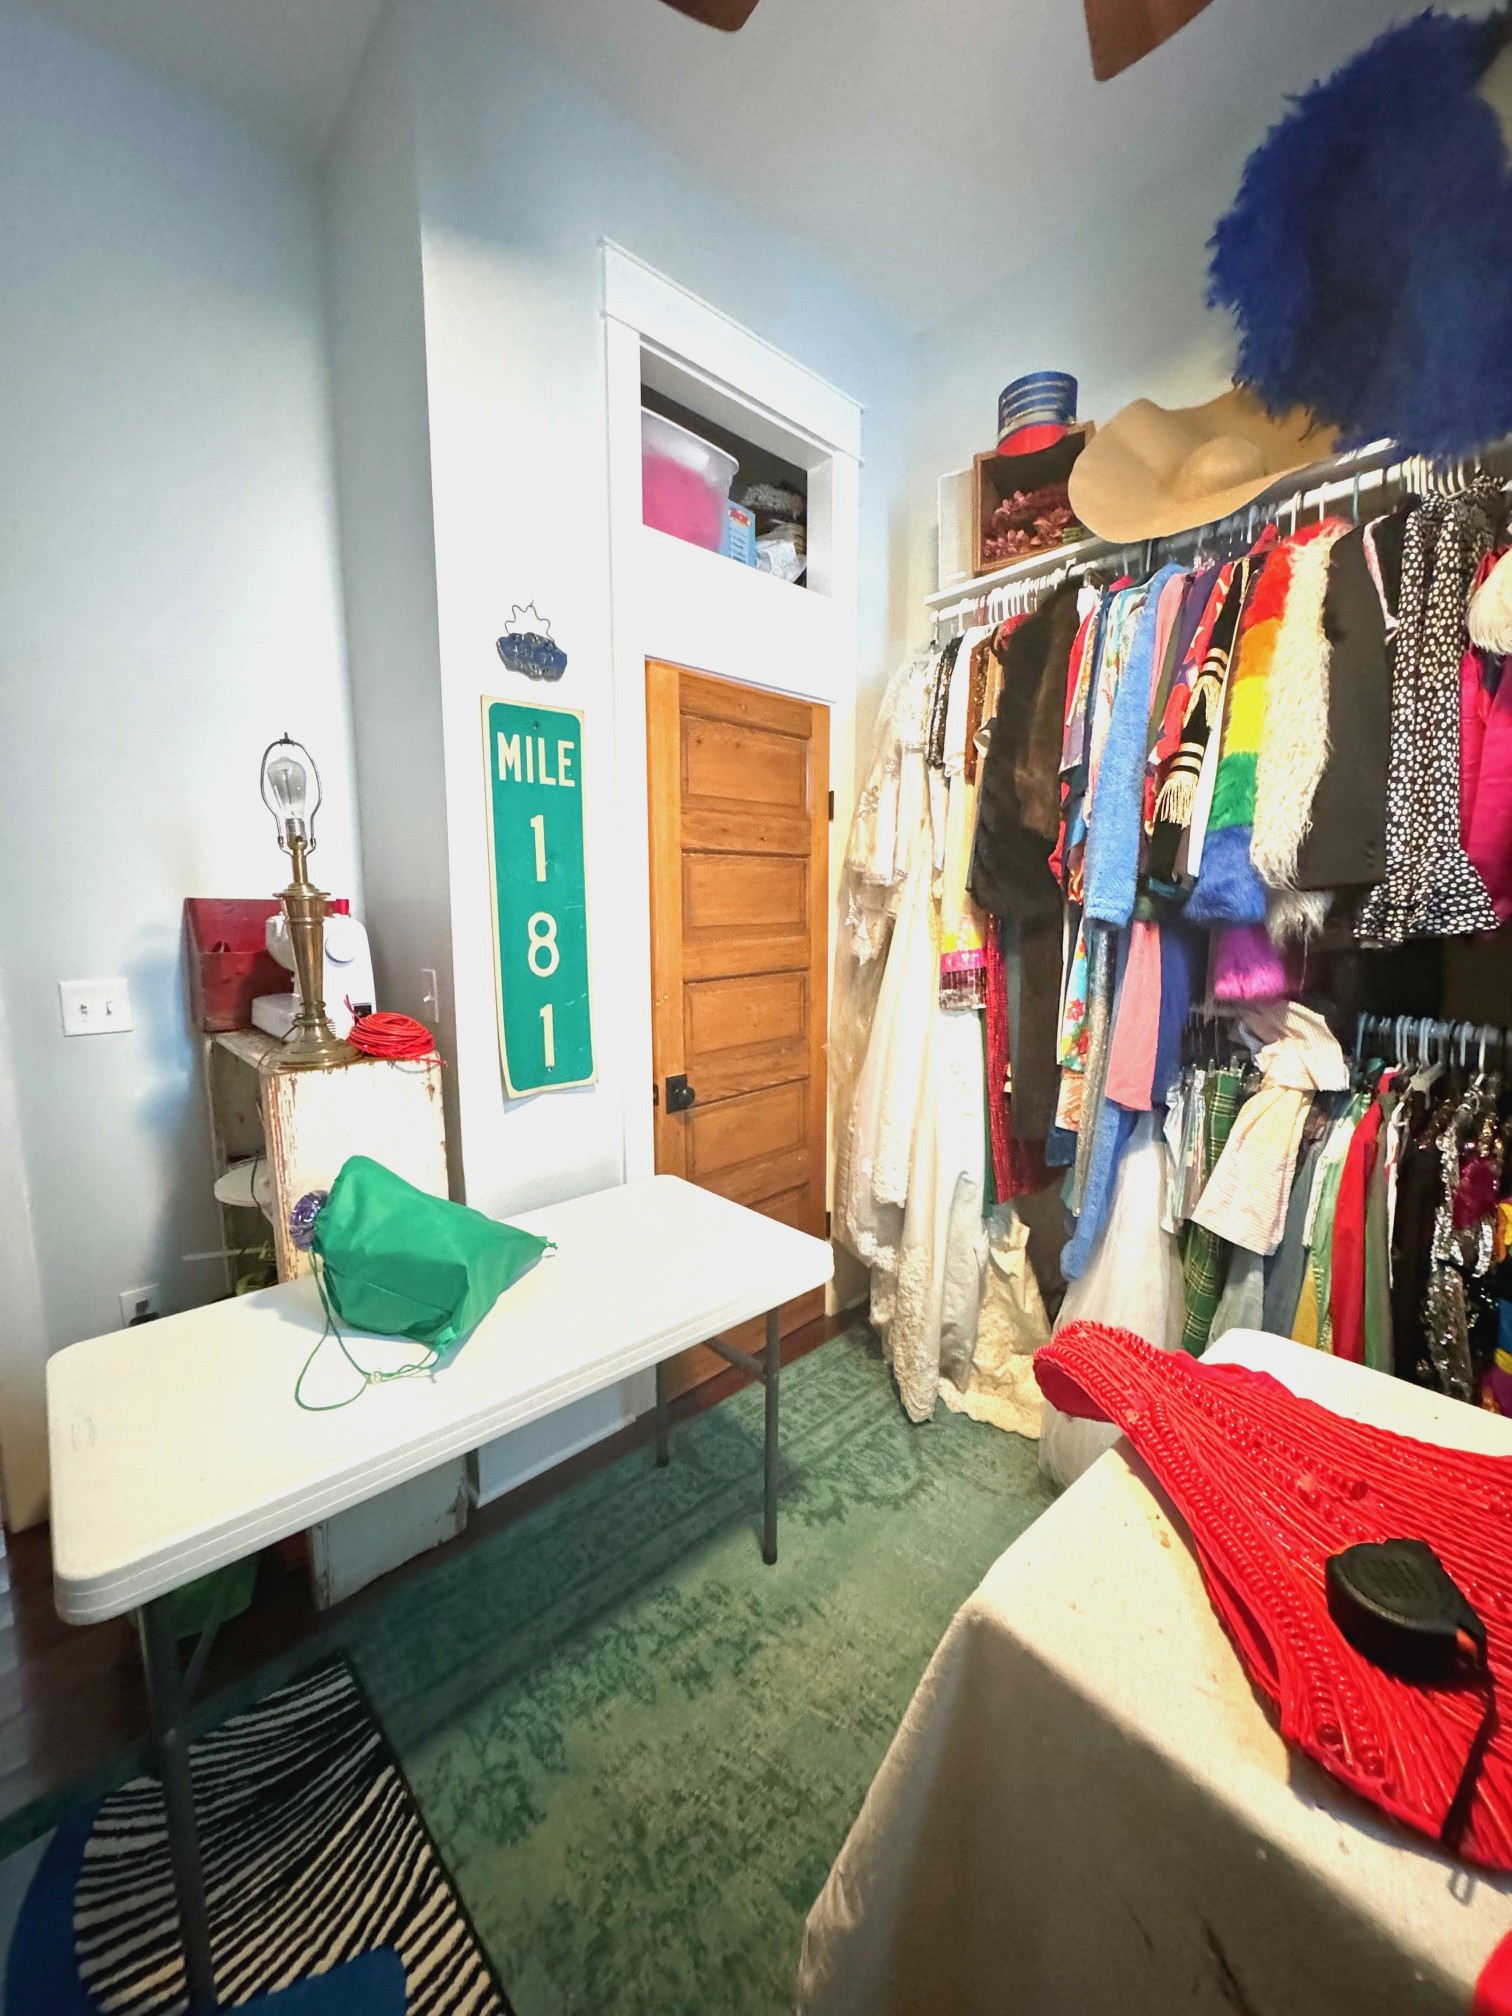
[306, 1124]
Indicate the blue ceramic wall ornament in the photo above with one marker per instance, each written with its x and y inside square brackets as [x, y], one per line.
[528, 646]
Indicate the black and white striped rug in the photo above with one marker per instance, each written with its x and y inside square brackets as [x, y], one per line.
[314, 1852]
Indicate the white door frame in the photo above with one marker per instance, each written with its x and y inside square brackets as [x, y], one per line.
[694, 608]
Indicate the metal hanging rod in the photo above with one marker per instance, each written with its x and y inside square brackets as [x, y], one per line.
[1373, 470]
[1423, 1039]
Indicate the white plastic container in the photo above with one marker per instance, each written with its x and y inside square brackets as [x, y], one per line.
[685, 482]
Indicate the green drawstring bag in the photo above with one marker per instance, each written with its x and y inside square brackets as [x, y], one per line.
[398, 1262]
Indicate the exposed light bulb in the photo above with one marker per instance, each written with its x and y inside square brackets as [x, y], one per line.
[290, 782]
[289, 788]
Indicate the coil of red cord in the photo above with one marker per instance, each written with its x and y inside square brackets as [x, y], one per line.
[384, 1034]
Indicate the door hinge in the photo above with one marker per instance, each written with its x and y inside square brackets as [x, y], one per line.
[832, 805]
[655, 1093]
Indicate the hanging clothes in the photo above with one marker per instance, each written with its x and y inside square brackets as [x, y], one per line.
[1116, 834]
[1379, 1350]
[1293, 750]
[963, 925]
[873, 1177]
[1245, 1199]
[1346, 1294]
[1228, 889]
[1345, 842]
[1412, 1253]
[1191, 789]
[1312, 1324]
[1197, 701]
[1284, 1277]
[1486, 749]
[1429, 886]
[1017, 822]
[1204, 1258]
[1018, 1167]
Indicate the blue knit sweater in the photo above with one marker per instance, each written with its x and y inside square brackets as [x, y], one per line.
[1111, 869]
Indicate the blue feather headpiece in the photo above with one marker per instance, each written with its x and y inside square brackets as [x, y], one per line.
[1368, 257]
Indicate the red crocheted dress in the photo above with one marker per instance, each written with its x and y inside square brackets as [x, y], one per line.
[1269, 1486]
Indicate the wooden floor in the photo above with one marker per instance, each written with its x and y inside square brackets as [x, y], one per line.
[72, 1700]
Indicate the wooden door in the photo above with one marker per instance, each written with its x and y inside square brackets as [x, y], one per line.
[739, 803]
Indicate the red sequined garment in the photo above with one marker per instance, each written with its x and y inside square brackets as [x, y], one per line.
[1269, 1486]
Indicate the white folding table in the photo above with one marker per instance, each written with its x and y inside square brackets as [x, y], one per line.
[178, 1448]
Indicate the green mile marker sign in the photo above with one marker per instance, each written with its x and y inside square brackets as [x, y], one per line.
[540, 903]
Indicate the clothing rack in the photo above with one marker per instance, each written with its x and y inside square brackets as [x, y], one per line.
[1420, 1039]
[1372, 474]
[1412, 1039]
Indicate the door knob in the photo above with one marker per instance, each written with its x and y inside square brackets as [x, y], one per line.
[680, 1094]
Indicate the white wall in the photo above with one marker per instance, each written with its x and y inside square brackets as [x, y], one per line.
[522, 172]
[1120, 304]
[169, 601]
[23, 1334]
[382, 457]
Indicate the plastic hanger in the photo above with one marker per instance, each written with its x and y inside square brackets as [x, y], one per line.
[1489, 1033]
[1429, 1071]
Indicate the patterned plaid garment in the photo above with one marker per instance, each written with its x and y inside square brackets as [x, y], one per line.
[1204, 1256]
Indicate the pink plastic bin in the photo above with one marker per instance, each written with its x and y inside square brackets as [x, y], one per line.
[685, 482]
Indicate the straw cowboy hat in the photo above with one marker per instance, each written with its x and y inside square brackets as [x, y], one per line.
[1155, 470]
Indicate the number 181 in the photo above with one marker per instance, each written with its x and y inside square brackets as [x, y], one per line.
[543, 943]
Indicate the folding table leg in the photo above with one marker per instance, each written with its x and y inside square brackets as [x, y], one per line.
[165, 1698]
[770, 1369]
[663, 1436]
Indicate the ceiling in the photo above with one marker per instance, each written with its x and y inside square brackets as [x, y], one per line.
[923, 146]
[929, 147]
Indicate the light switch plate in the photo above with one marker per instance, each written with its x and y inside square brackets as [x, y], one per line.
[95, 1007]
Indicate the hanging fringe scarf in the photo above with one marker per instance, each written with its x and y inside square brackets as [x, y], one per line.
[1199, 701]
[1294, 744]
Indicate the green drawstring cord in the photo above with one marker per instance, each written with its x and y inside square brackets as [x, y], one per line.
[426, 1364]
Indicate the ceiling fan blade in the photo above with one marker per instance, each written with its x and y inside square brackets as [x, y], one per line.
[726, 14]
[1121, 31]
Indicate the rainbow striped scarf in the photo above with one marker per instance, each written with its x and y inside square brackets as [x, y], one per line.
[1228, 891]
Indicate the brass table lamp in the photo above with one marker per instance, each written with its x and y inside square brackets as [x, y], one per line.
[311, 1044]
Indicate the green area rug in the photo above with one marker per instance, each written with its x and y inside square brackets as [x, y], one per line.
[638, 1748]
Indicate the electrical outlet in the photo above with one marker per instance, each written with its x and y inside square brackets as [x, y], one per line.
[95, 1007]
[139, 1305]
[430, 997]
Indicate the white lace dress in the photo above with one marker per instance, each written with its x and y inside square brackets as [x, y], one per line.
[911, 1154]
